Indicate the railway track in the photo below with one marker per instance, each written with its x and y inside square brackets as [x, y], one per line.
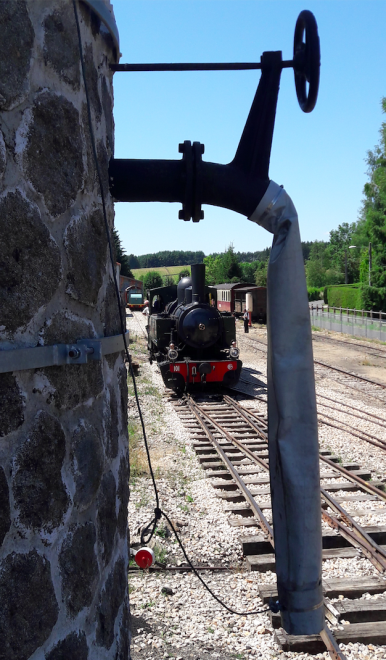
[376, 352]
[253, 342]
[231, 444]
[326, 418]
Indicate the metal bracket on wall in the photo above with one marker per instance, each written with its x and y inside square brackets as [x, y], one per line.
[80, 352]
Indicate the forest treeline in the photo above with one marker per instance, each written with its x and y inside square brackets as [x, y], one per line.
[166, 258]
[228, 266]
[186, 257]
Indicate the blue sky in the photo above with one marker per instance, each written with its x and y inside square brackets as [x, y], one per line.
[318, 157]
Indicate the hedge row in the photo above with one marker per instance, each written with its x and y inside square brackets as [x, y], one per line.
[355, 296]
[343, 296]
[314, 293]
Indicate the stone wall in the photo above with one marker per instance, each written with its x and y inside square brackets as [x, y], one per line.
[63, 430]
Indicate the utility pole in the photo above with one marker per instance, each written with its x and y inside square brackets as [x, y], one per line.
[63, 426]
[370, 264]
[345, 267]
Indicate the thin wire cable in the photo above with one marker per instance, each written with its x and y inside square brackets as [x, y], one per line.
[157, 511]
[204, 583]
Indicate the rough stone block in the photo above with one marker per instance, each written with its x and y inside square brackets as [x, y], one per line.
[38, 489]
[87, 463]
[3, 155]
[107, 104]
[92, 81]
[29, 609]
[5, 518]
[107, 517]
[123, 652]
[54, 160]
[16, 40]
[65, 328]
[79, 567]
[110, 602]
[61, 48]
[73, 647]
[74, 383]
[11, 404]
[111, 313]
[111, 425]
[123, 496]
[86, 246]
[30, 264]
[122, 384]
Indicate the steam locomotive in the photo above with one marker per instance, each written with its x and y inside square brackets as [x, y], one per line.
[191, 340]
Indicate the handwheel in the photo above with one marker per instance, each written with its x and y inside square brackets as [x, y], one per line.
[306, 60]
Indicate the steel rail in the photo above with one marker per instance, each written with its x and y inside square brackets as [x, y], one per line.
[347, 373]
[381, 444]
[347, 405]
[360, 431]
[378, 562]
[325, 405]
[349, 343]
[331, 645]
[246, 415]
[365, 485]
[329, 366]
[257, 512]
[248, 452]
[358, 538]
[353, 532]
[361, 437]
[353, 525]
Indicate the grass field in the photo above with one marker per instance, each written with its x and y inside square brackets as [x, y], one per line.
[164, 270]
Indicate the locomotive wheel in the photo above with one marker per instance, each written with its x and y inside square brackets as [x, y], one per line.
[306, 61]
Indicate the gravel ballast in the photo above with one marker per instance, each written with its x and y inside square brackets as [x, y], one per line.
[172, 614]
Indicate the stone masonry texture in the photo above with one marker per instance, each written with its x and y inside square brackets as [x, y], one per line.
[63, 429]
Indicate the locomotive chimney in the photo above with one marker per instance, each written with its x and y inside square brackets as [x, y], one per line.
[198, 282]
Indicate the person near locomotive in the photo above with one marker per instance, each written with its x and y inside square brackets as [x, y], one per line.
[246, 321]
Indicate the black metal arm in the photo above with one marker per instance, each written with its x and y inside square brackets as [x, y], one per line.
[238, 186]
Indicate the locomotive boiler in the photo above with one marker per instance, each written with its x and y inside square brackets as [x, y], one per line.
[191, 340]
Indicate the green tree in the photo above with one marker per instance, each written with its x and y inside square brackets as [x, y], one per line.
[373, 214]
[248, 271]
[230, 266]
[120, 255]
[152, 280]
[185, 272]
[261, 274]
[134, 261]
[213, 269]
[168, 280]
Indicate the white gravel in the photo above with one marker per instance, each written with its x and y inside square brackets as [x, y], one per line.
[190, 624]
